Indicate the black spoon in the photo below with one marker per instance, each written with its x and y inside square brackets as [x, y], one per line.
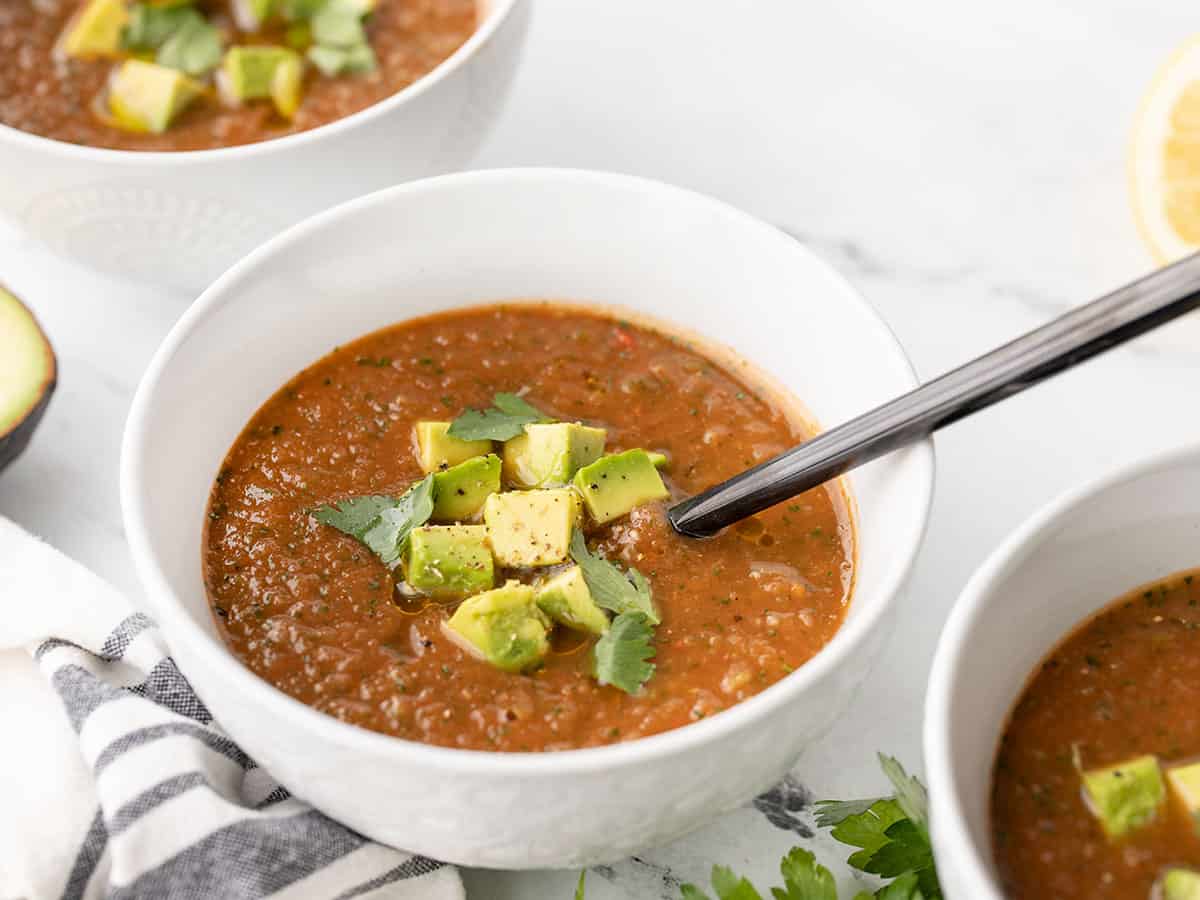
[1070, 339]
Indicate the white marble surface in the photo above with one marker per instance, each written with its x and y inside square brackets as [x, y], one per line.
[962, 163]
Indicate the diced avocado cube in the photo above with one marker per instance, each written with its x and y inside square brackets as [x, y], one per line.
[460, 491]
[565, 598]
[659, 459]
[1185, 782]
[531, 528]
[450, 559]
[249, 71]
[96, 30]
[613, 485]
[143, 96]
[1125, 796]
[504, 626]
[1180, 884]
[436, 450]
[550, 455]
[287, 86]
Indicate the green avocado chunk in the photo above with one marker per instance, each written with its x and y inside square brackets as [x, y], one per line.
[437, 451]
[1125, 796]
[96, 30]
[614, 485]
[459, 492]
[531, 528]
[1185, 782]
[147, 97]
[450, 560]
[504, 626]
[28, 374]
[550, 455]
[565, 598]
[249, 71]
[1180, 884]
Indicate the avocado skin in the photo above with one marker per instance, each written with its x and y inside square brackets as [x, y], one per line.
[14, 441]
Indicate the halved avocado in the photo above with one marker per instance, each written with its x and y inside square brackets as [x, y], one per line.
[28, 373]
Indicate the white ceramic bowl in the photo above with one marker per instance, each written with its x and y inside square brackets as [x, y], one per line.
[180, 219]
[1067, 562]
[465, 239]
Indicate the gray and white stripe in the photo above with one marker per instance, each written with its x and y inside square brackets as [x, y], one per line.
[182, 811]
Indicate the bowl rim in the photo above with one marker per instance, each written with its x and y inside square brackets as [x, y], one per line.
[178, 625]
[499, 13]
[952, 837]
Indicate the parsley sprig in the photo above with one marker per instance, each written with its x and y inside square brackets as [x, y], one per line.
[620, 656]
[892, 837]
[382, 523]
[503, 421]
[614, 590]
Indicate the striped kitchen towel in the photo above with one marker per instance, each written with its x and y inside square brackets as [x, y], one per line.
[136, 792]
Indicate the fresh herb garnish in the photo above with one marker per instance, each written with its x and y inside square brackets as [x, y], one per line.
[503, 421]
[150, 26]
[334, 61]
[183, 38]
[194, 49]
[382, 523]
[892, 834]
[620, 656]
[614, 590]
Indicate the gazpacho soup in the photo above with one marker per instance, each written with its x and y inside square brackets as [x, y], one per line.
[453, 530]
[1096, 789]
[201, 74]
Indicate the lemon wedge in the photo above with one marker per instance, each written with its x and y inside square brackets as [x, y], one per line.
[1165, 159]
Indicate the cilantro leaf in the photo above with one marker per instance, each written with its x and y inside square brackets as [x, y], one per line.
[614, 590]
[354, 516]
[910, 793]
[195, 48]
[804, 878]
[150, 26]
[382, 523]
[730, 887]
[905, 850]
[333, 61]
[338, 24]
[892, 837]
[868, 830]
[833, 812]
[619, 657]
[906, 887]
[503, 421]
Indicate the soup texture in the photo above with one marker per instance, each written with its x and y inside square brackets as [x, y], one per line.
[48, 93]
[312, 611]
[1094, 785]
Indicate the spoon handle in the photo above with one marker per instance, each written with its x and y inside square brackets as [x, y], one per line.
[1062, 343]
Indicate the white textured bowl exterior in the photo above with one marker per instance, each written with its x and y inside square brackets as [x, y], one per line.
[479, 237]
[180, 219]
[1067, 562]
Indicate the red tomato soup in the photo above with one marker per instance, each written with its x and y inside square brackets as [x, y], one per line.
[517, 643]
[63, 59]
[1096, 787]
